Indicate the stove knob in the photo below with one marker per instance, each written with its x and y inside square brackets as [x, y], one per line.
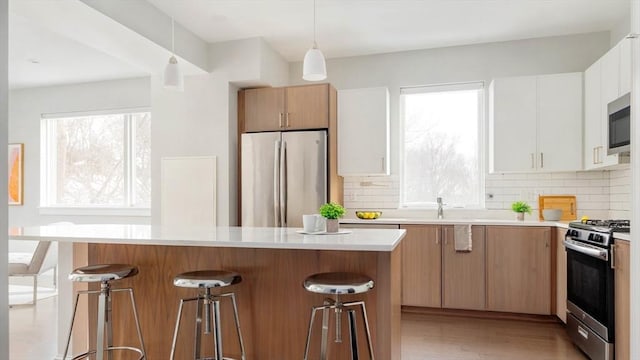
[598, 238]
[590, 238]
[575, 233]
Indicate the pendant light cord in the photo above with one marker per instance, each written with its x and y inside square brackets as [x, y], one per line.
[315, 44]
[173, 35]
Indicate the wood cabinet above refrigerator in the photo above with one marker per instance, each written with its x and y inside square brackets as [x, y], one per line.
[286, 108]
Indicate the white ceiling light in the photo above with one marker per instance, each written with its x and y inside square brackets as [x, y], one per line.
[172, 75]
[314, 67]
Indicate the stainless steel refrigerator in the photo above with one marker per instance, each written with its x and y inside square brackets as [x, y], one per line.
[284, 175]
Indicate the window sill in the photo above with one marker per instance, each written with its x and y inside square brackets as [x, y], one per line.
[94, 211]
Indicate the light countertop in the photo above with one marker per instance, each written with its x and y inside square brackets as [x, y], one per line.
[499, 222]
[496, 222]
[622, 236]
[222, 236]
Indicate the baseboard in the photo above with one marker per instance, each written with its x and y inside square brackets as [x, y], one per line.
[480, 314]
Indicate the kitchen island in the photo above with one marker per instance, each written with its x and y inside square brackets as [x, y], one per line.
[274, 307]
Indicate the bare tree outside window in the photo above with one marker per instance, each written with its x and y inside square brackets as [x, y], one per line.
[97, 160]
[441, 148]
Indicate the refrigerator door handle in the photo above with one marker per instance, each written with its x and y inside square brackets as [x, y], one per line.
[283, 184]
[276, 185]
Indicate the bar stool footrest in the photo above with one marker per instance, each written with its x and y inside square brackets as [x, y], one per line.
[112, 348]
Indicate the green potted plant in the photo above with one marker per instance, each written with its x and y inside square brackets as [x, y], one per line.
[521, 207]
[332, 212]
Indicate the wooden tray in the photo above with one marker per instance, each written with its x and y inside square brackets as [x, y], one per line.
[567, 203]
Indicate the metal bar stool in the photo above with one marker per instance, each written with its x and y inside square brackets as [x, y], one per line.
[104, 274]
[339, 283]
[208, 279]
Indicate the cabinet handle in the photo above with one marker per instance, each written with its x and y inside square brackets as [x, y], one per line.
[613, 256]
[287, 119]
[533, 162]
[382, 164]
[280, 120]
[446, 235]
[593, 155]
[599, 157]
[541, 160]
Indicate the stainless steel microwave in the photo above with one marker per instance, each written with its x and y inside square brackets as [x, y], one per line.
[619, 121]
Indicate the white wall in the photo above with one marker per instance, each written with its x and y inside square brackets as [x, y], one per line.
[249, 63]
[195, 122]
[622, 29]
[4, 287]
[450, 65]
[25, 109]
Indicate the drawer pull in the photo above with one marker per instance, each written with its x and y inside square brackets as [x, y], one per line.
[583, 332]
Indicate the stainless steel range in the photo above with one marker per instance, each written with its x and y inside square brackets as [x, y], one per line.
[590, 286]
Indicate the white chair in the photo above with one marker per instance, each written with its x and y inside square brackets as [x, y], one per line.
[44, 257]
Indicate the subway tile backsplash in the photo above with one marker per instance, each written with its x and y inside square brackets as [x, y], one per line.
[602, 194]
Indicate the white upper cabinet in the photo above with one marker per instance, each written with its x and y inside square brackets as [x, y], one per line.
[560, 122]
[604, 81]
[625, 66]
[610, 75]
[513, 124]
[363, 132]
[594, 146]
[536, 123]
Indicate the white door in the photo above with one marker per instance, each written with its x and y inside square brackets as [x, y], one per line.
[560, 122]
[513, 124]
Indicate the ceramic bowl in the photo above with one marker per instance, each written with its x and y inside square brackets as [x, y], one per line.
[551, 214]
[368, 215]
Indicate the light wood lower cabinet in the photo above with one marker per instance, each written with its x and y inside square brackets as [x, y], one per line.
[435, 275]
[463, 273]
[519, 269]
[561, 275]
[622, 278]
[421, 266]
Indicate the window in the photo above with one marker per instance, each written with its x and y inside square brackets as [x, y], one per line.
[97, 160]
[441, 145]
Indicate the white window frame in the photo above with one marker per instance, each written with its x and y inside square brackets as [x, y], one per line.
[48, 164]
[482, 154]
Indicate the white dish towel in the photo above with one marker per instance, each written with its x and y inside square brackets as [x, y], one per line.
[462, 238]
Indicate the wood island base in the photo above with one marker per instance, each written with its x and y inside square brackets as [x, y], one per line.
[274, 307]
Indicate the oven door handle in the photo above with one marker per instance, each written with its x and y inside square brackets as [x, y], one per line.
[601, 254]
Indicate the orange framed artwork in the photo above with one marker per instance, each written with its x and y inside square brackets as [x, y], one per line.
[16, 167]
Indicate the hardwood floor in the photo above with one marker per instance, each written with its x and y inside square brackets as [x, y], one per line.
[33, 330]
[424, 337]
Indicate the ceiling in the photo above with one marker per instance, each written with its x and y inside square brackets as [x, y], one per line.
[39, 57]
[358, 27]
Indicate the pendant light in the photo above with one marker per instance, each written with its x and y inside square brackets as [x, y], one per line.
[314, 67]
[172, 74]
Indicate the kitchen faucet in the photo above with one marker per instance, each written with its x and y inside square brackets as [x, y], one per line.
[440, 212]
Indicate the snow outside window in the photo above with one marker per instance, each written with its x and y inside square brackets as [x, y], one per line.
[442, 145]
[96, 160]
